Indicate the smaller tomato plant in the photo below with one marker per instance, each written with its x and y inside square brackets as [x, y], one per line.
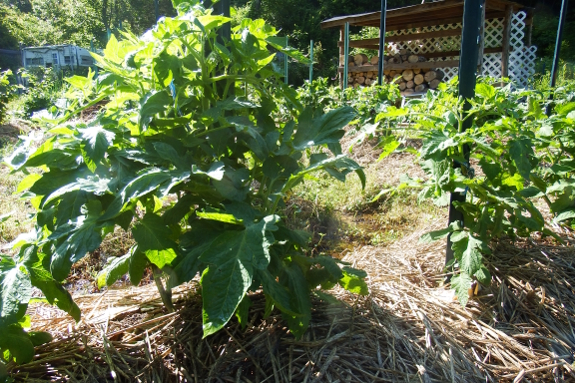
[517, 156]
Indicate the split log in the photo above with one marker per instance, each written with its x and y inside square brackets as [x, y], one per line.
[433, 84]
[397, 58]
[419, 79]
[413, 58]
[397, 78]
[403, 58]
[360, 59]
[356, 85]
[386, 72]
[407, 91]
[407, 75]
[417, 70]
[360, 80]
[350, 64]
[410, 84]
[402, 85]
[420, 87]
[433, 74]
[392, 73]
[368, 81]
[374, 60]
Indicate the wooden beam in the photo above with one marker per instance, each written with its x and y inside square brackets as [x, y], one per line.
[505, 42]
[456, 53]
[424, 8]
[393, 25]
[403, 66]
[411, 37]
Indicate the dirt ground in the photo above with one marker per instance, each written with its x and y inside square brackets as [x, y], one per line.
[408, 329]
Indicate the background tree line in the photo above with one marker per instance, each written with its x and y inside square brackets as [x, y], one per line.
[82, 22]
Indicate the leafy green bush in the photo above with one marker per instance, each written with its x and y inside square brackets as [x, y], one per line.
[43, 88]
[518, 156]
[194, 170]
[7, 92]
[367, 101]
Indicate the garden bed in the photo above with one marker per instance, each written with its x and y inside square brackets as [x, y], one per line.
[408, 329]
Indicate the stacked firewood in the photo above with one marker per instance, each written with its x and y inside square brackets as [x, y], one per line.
[408, 80]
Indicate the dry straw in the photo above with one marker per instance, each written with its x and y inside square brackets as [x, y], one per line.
[407, 330]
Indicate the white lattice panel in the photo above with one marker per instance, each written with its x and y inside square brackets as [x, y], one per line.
[521, 60]
[493, 34]
[491, 65]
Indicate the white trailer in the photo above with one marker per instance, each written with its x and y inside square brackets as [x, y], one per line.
[56, 56]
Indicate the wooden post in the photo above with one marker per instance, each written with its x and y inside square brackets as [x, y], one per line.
[505, 42]
[529, 23]
[345, 54]
[482, 42]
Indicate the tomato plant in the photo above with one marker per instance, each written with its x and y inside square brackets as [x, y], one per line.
[193, 167]
[517, 156]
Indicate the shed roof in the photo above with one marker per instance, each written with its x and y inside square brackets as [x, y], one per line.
[421, 15]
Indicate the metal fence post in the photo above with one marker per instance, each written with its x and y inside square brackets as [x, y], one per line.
[381, 42]
[286, 72]
[470, 43]
[311, 61]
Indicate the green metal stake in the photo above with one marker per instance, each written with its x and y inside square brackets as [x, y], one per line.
[91, 50]
[108, 34]
[383, 15]
[557, 52]
[311, 61]
[286, 63]
[470, 43]
[345, 55]
[156, 9]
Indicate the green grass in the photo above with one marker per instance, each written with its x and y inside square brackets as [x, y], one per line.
[342, 215]
[19, 210]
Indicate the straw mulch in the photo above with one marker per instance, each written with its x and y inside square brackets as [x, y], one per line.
[407, 330]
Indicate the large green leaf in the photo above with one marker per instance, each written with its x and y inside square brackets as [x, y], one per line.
[152, 104]
[461, 284]
[95, 142]
[153, 238]
[53, 290]
[521, 151]
[114, 270]
[326, 129]
[294, 280]
[75, 240]
[15, 291]
[17, 341]
[232, 258]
